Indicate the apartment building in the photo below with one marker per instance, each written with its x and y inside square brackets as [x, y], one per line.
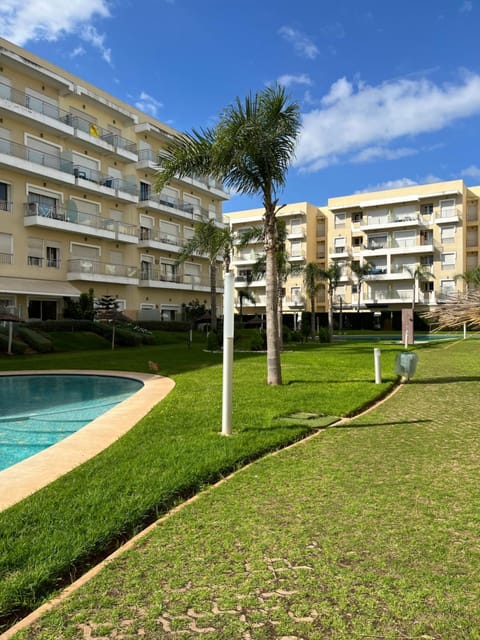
[415, 243]
[305, 239]
[78, 207]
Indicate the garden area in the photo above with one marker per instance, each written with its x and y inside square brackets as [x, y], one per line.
[368, 530]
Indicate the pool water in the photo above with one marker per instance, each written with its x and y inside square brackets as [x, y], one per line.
[37, 411]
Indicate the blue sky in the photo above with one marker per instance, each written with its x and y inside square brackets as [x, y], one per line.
[389, 91]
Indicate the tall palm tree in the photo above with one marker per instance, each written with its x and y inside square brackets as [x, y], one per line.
[210, 240]
[332, 276]
[312, 280]
[250, 149]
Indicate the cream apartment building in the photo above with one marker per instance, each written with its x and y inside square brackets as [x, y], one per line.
[78, 207]
[429, 229]
[305, 229]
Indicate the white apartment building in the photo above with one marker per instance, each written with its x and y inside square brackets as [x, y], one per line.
[78, 208]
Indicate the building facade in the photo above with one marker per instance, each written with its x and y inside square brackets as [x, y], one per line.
[413, 243]
[78, 207]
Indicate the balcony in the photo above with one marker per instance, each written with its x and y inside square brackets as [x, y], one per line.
[391, 221]
[298, 256]
[174, 207]
[93, 271]
[448, 216]
[75, 221]
[51, 263]
[157, 278]
[6, 258]
[397, 247]
[19, 104]
[61, 169]
[297, 302]
[6, 206]
[339, 252]
[248, 257]
[103, 139]
[153, 239]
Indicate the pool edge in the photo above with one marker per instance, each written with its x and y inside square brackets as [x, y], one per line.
[30, 475]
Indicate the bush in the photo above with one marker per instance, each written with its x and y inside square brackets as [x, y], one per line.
[35, 340]
[258, 340]
[18, 347]
[213, 343]
[62, 325]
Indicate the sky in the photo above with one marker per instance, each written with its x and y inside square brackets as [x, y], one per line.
[389, 91]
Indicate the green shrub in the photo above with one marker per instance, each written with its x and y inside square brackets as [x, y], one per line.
[35, 340]
[62, 325]
[258, 340]
[213, 343]
[18, 347]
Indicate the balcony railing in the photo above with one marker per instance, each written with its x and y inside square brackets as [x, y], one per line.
[104, 180]
[78, 217]
[193, 211]
[6, 258]
[35, 104]
[35, 261]
[96, 131]
[92, 267]
[5, 206]
[156, 274]
[160, 236]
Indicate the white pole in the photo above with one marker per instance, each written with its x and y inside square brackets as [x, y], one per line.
[464, 330]
[378, 366]
[406, 338]
[228, 308]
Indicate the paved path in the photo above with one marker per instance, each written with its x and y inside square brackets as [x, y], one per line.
[368, 530]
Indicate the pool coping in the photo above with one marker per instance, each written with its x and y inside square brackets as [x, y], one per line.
[30, 475]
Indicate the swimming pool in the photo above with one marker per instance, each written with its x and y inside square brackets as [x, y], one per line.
[37, 411]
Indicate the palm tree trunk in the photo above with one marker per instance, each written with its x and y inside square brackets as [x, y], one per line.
[213, 295]
[330, 317]
[274, 372]
[280, 314]
[312, 316]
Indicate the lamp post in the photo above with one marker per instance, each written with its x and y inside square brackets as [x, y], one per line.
[340, 321]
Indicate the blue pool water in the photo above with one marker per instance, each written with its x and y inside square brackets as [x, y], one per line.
[37, 411]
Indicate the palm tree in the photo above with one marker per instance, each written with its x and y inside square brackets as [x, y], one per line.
[250, 149]
[420, 273]
[360, 271]
[312, 276]
[244, 294]
[332, 276]
[210, 240]
[471, 278]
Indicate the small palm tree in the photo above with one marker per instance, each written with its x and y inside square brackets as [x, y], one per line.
[250, 149]
[244, 294]
[471, 279]
[312, 280]
[210, 240]
[419, 274]
[332, 276]
[360, 271]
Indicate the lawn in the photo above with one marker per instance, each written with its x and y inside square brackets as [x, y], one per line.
[53, 536]
[368, 531]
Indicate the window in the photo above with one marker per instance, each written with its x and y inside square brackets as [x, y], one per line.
[145, 191]
[42, 205]
[191, 204]
[6, 248]
[146, 226]
[472, 236]
[472, 211]
[86, 212]
[188, 233]
[168, 271]
[448, 233]
[169, 197]
[448, 260]
[169, 232]
[357, 217]
[44, 153]
[427, 286]
[357, 241]
[447, 287]
[427, 209]
[320, 250]
[5, 204]
[53, 256]
[296, 249]
[447, 208]
[339, 220]
[192, 273]
[35, 252]
[146, 265]
[320, 227]
[40, 103]
[212, 211]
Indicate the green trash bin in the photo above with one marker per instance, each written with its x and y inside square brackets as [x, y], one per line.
[406, 364]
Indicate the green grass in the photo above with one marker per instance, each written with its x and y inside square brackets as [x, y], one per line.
[54, 535]
[368, 531]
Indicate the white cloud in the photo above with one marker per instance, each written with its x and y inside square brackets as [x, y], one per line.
[24, 20]
[466, 7]
[302, 44]
[78, 51]
[148, 104]
[383, 153]
[302, 78]
[354, 118]
[399, 183]
[471, 172]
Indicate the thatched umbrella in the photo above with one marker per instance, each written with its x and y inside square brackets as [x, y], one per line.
[456, 311]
